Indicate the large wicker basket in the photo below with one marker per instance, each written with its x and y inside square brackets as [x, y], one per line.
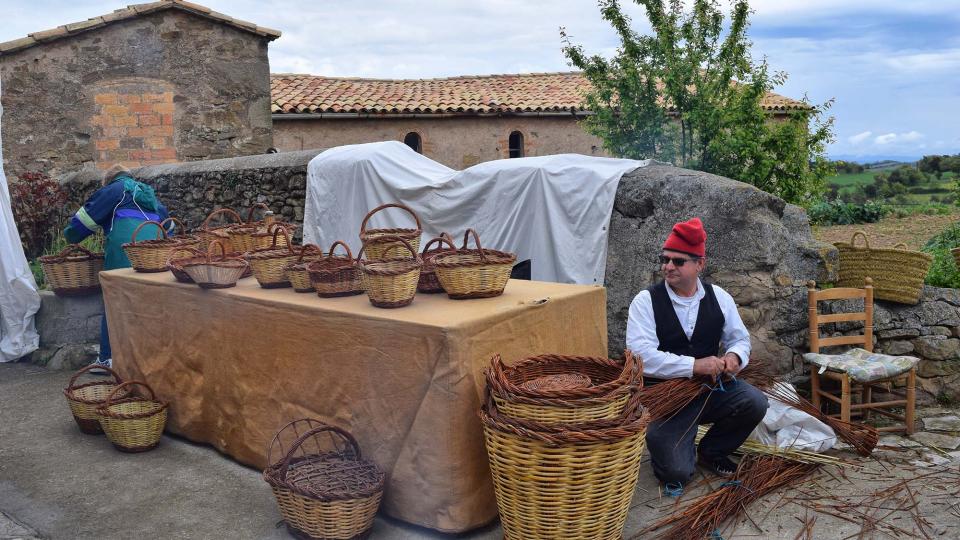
[564, 480]
[212, 272]
[297, 271]
[376, 241]
[208, 233]
[75, 271]
[85, 398]
[429, 283]
[897, 273]
[553, 388]
[133, 423]
[336, 275]
[474, 273]
[152, 255]
[269, 263]
[391, 282]
[328, 491]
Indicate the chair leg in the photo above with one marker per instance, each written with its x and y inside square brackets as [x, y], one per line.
[845, 398]
[866, 396]
[815, 387]
[911, 400]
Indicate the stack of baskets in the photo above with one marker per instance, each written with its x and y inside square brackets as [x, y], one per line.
[75, 271]
[898, 273]
[323, 487]
[564, 437]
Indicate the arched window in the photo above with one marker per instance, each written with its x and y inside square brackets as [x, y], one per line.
[414, 141]
[516, 144]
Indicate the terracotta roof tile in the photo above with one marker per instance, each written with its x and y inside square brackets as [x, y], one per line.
[525, 92]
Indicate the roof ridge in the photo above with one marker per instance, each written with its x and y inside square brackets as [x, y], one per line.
[453, 78]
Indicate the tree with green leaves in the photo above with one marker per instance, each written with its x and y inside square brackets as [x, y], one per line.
[691, 94]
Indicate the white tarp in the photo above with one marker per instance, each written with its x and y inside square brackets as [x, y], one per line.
[553, 210]
[787, 427]
[19, 299]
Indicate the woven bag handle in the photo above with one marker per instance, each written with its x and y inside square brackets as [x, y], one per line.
[206, 223]
[253, 208]
[305, 249]
[192, 251]
[160, 231]
[344, 434]
[444, 237]
[853, 239]
[74, 248]
[110, 396]
[363, 225]
[77, 375]
[476, 240]
[310, 422]
[334, 245]
[177, 224]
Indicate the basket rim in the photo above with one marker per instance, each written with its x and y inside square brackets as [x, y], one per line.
[66, 255]
[271, 474]
[104, 410]
[483, 257]
[892, 251]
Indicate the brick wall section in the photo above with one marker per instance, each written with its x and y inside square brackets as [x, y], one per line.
[133, 128]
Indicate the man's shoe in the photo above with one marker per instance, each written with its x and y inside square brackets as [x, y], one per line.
[724, 467]
[108, 363]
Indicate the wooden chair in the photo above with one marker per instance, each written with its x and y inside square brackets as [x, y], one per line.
[842, 373]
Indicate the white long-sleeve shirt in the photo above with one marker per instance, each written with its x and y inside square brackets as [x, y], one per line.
[642, 331]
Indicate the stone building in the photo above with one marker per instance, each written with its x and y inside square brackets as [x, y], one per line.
[151, 83]
[458, 121]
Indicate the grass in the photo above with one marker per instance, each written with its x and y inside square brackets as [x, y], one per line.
[847, 183]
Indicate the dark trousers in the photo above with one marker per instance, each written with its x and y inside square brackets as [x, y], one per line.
[105, 352]
[734, 413]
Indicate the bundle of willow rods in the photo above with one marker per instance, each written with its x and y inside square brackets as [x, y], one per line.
[755, 477]
[663, 400]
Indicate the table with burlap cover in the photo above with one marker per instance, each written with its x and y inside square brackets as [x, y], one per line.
[237, 364]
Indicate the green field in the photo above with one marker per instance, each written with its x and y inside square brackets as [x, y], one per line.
[846, 183]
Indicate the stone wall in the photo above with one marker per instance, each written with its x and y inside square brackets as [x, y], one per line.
[69, 329]
[159, 87]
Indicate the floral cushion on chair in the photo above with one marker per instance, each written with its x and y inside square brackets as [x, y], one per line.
[863, 365]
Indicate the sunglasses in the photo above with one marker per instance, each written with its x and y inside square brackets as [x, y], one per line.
[677, 261]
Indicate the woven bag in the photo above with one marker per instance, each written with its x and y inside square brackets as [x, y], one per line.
[208, 233]
[133, 423]
[474, 273]
[391, 282]
[429, 283]
[214, 273]
[269, 263]
[84, 399]
[75, 271]
[152, 255]
[324, 489]
[297, 271]
[336, 275]
[897, 273]
[375, 241]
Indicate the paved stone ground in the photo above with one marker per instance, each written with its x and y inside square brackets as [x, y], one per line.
[57, 483]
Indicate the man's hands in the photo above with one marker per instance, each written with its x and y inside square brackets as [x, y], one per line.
[712, 366]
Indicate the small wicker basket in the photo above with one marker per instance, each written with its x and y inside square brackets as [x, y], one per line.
[211, 273]
[269, 263]
[898, 274]
[152, 255]
[375, 240]
[240, 235]
[391, 282]
[263, 238]
[84, 399]
[75, 271]
[474, 273]
[207, 233]
[429, 283]
[297, 271]
[133, 423]
[177, 258]
[336, 275]
[327, 492]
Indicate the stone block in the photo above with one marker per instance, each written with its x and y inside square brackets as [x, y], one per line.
[64, 320]
[899, 332]
[937, 368]
[942, 423]
[937, 347]
[939, 440]
[896, 348]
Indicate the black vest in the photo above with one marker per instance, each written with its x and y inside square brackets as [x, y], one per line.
[705, 340]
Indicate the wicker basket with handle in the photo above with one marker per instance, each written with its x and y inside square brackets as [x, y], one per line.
[85, 398]
[152, 255]
[323, 486]
[391, 282]
[180, 255]
[268, 263]
[429, 283]
[75, 271]
[208, 233]
[133, 423]
[336, 275]
[897, 273]
[297, 271]
[375, 241]
[474, 273]
[240, 235]
[210, 271]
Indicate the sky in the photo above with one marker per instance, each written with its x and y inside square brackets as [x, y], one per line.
[890, 66]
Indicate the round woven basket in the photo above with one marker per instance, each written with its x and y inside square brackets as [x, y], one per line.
[474, 273]
[391, 282]
[336, 275]
[212, 272]
[297, 271]
[152, 255]
[429, 283]
[328, 491]
[269, 263]
[897, 273]
[208, 233]
[567, 480]
[75, 271]
[133, 423]
[84, 399]
[550, 388]
[376, 241]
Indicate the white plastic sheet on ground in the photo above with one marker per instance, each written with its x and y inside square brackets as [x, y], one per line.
[787, 427]
[552, 210]
[19, 299]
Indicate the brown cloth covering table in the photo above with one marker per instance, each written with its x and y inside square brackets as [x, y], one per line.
[237, 364]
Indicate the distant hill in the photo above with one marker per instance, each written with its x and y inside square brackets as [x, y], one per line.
[875, 158]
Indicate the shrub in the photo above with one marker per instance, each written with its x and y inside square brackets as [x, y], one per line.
[838, 212]
[943, 269]
[38, 209]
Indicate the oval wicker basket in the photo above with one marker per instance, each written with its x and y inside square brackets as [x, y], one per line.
[336, 275]
[268, 263]
[133, 423]
[210, 273]
[564, 480]
[391, 282]
[84, 399]
[474, 273]
[177, 258]
[429, 283]
[152, 255]
[375, 241]
[326, 492]
[297, 271]
[897, 273]
[75, 271]
[207, 233]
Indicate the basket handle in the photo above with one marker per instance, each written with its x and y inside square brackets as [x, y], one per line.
[227, 211]
[476, 240]
[853, 239]
[363, 225]
[444, 237]
[110, 396]
[305, 249]
[88, 368]
[177, 224]
[277, 229]
[223, 250]
[160, 231]
[395, 240]
[193, 251]
[344, 434]
[254, 207]
[74, 248]
[340, 243]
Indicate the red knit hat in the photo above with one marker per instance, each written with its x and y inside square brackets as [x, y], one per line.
[688, 237]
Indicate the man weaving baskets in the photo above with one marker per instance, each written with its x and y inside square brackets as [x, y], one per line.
[677, 327]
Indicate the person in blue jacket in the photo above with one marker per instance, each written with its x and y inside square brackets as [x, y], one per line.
[117, 208]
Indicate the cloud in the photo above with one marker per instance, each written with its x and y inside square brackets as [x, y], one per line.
[885, 138]
[860, 137]
[938, 61]
[911, 136]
